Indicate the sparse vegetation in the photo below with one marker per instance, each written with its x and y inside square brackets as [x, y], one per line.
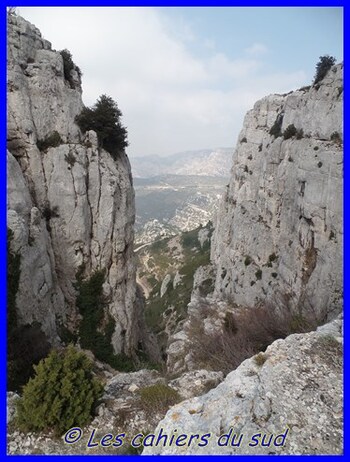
[253, 330]
[260, 359]
[70, 159]
[247, 260]
[244, 140]
[97, 326]
[158, 397]
[62, 394]
[68, 67]
[276, 129]
[322, 67]
[289, 132]
[300, 134]
[258, 274]
[336, 138]
[51, 141]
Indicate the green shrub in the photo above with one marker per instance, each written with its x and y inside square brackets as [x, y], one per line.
[300, 134]
[289, 132]
[319, 165]
[336, 138]
[247, 260]
[158, 397]
[70, 159]
[258, 274]
[96, 326]
[244, 139]
[276, 129]
[52, 140]
[260, 359]
[62, 394]
[322, 67]
[68, 66]
[272, 257]
[104, 119]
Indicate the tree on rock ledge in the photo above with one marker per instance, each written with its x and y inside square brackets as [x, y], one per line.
[322, 67]
[104, 119]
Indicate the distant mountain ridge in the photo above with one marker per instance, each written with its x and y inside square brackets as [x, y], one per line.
[205, 162]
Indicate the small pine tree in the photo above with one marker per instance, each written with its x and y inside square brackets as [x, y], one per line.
[104, 119]
[322, 67]
[62, 394]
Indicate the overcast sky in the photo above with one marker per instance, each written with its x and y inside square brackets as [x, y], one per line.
[184, 77]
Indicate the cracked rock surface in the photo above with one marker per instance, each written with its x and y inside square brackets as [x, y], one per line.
[68, 205]
[279, 227]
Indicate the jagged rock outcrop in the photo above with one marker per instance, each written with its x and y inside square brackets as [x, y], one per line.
[71, 205]
[294, 388]
[278, 234]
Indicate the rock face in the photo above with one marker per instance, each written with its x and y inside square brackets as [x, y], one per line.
[294, 388]
[279, 229]
[70, 206]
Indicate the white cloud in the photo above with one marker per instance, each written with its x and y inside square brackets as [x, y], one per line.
[171, 99]
[256, 49]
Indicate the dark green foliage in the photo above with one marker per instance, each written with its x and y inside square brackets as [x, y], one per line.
[319, 165]
[247, 260]
[62, 394]
[322, 67]
[158, 397]
[51, 141]
[289, 132]
[336, 138]
[272, 257]
[258, 274]
[70, 158]
[27, 345]
[189, 239]
[50, 212]
[97, 327]
[68, 66]
[274, 275]
[276, 129]
[244, 140]
[316, 148]
[300, 134]
[104, 119]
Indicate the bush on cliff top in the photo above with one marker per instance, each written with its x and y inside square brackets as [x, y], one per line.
[104, 119]
[322, 67]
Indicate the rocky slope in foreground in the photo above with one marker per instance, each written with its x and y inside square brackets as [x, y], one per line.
[70, 205]
[293, 388]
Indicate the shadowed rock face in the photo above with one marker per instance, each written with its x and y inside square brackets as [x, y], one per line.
[279, 228]
[296, 385]
[69, 205]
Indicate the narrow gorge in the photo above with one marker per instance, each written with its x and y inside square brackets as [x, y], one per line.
[247, 310]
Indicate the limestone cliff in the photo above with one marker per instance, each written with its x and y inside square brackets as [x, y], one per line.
[279, 229]
[71, 205]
